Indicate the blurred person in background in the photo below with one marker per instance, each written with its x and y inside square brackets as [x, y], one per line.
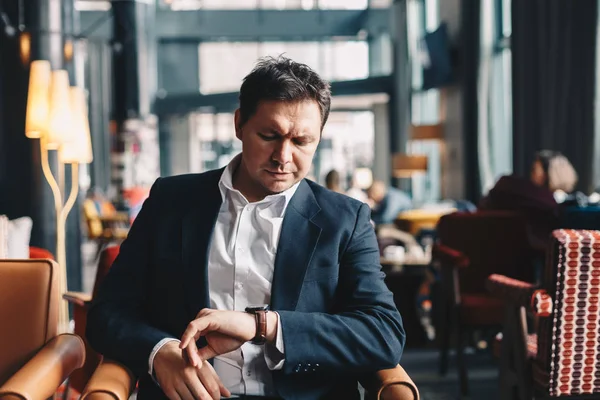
[332, 181]
[534, 197]
[386, 202]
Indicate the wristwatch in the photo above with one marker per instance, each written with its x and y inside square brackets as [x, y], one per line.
[260, 315]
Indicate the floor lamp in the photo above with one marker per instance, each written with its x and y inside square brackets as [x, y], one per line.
[57, 116]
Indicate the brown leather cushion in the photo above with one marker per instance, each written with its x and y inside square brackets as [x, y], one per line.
[481, 309]
[28, 310]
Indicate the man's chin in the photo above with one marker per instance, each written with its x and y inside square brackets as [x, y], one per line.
[278, 187]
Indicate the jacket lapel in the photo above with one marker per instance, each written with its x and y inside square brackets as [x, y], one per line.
[297, 243]
[198, 226]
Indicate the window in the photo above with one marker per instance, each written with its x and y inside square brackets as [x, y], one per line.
[495, 110]
[223, 65]
[423, 16]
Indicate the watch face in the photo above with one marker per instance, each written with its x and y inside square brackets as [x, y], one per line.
[254, 308]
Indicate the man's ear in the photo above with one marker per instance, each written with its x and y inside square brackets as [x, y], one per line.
[237, 120]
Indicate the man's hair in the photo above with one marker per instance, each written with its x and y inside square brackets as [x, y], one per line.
[332, 179]
[285, 80]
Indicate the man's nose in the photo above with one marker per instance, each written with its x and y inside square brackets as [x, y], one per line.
[283, 152]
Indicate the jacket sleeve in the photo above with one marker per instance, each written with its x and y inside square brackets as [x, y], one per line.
[367, 334]
[116, 324]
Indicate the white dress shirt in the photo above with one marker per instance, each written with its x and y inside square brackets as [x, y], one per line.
[240, 273]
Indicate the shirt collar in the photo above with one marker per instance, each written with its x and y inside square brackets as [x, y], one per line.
[226, 186]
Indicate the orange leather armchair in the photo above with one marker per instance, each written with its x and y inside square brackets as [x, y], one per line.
[34, 359]
[80, 302]
[112, 381]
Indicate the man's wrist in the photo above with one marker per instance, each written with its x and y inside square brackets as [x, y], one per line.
[272, 322]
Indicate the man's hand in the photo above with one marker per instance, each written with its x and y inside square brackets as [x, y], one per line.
[181, 381]
[224, 331]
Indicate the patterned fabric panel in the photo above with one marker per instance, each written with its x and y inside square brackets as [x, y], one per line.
[504, 287]
[541, 303]
[532, 345]
[575, 355]
[3, 236]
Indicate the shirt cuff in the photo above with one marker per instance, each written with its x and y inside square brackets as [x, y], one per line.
[155, 350]
[275, 354]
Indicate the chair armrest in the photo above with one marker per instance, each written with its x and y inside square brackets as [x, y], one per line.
[390, 384]
[41, 376]
[448, 257]
[78, 298]
[110, 381]
[509, 289]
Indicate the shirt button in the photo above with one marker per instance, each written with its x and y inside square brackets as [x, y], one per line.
[239, 285]
[241, 250]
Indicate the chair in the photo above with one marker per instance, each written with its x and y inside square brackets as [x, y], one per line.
[34, 359]
[39, 253]
[105, 227]
[113, 381]
[562, 358]
[80, 303]
[470, 247]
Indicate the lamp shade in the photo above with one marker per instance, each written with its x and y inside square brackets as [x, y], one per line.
[78, 150]
[404, 165]
[59, 125]
[427, 132]
[38, 100]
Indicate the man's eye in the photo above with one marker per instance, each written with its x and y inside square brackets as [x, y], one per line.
[267, 136]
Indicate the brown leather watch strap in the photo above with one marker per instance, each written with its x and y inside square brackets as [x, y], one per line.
[261, 327]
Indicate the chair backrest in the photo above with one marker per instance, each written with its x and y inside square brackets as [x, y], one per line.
[494, 242]
[107, 257]
[29, 301]
[92, 219]
[38, 252]
[568, 355]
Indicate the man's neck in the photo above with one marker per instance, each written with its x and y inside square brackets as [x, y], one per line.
[241, 181]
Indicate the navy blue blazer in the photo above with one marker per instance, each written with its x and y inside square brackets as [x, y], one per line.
[337, 316]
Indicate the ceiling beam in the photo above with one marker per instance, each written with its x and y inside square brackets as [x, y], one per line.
[252, 25]
[228, 102]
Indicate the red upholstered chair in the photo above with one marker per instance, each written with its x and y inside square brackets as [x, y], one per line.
[81, 302]
[562, 359]
[39, 253]
[470, 247]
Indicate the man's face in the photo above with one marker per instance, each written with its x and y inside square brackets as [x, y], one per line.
[278, 145]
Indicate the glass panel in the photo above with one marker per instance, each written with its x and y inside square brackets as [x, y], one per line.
[343, 4]
[347, 144]
[345, 60]
[380, 3]
[284, 4]
[228, 4]
[95, 5]
[224, 65]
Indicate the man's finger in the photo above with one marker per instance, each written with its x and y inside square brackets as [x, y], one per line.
[222, 389]
[196, 387]
[183, 392]
[206, 353]
[192, 352]
[194, 328]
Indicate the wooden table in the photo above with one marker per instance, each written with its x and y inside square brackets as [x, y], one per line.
[413, 221]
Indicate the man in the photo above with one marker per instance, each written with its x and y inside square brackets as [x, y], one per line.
[209, 251]
[332, 181]
[386, 203]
